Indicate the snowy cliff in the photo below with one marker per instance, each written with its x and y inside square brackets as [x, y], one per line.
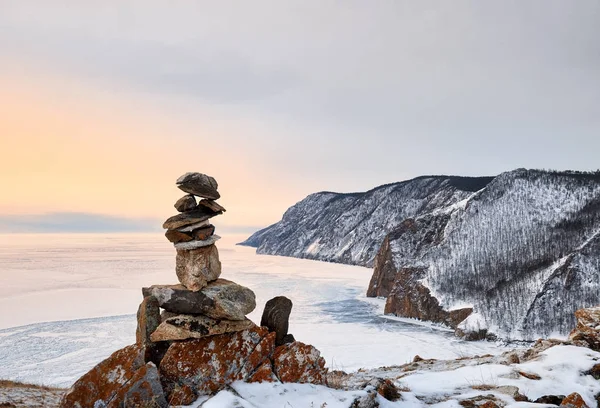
[523, 253]
[349, 228]
[513, 255]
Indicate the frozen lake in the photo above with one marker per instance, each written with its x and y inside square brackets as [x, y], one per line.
[69, 300]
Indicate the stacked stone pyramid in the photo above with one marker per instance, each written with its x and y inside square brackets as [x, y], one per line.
[202, 304]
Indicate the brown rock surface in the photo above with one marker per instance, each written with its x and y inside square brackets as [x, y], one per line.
[209, 364]
[148, 319]
[409, 298]
[264, 373]
[185, 327]
[189, 217]
[384, 272]
[202, 234]
[103, 382]
[199, 185]
[186, 203]
[213, 205]
[176, 236]
[299, 363]
[196, 267]
[588, 327]
[276, 317]
[182, 395]
[220, 299]
[574, 400]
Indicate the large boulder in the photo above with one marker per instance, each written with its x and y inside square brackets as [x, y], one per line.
[276, 317]
[106, 383]
[184, 327]
[220, 299]
[299, 363]
[211, 363]
[199, 185]
[196, 267]
[587, 331]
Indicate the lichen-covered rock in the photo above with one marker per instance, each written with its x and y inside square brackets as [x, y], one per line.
[142, 390]
[182, 395]
[299, 363]
[183, 327]
[588, 328]
[209, 364]
[276, 317]
[196, 267]
[102, 383]
[199, 185]
[264, 373]
[574, 400]
[220, 299]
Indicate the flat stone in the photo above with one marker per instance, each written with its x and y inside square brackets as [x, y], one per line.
[276, 317]
[213, 205]
[198, 244]
[199, 185]
[220, 299]
[185, 327]
[196, 267]
[176, 236]
[185, 203]
[191, 227]
[299, 363]
[204, 233]
[209, 364]
[188, 218]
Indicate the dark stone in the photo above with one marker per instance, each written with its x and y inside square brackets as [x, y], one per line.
[220, 299]
[186, 203]
[199, 185]
[276, 317]
[183, 327]
[176, 237]
[203, 233]
[190, 217]
[148, 319]
[213, 205]
[550, 399]
[288, 338]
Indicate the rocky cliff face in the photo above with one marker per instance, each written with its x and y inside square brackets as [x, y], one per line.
[513, 255]
[523, 253]
[349, 228]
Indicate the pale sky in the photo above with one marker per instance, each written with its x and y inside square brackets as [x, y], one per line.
[104, 104]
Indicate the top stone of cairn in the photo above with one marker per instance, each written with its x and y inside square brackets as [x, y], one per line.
[199, 185]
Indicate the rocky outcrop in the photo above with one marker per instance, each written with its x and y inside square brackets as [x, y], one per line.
[522, 254]
[587, 331]
[349, 228]
[201, 341]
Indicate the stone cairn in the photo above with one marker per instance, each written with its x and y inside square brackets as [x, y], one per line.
[202, 340]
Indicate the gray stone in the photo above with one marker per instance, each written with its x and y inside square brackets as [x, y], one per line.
[198, 244]
[185, 203]
[199, 185]
[142, 390]
[148, 319]
[221, 299]
[188, 218]
[196, 267]
[196, 327]
[276, 317]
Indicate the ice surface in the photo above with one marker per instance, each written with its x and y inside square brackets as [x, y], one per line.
[60, 277]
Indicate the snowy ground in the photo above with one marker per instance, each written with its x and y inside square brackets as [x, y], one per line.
[89, 287]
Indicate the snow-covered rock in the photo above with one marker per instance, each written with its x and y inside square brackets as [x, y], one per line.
[349, 228]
